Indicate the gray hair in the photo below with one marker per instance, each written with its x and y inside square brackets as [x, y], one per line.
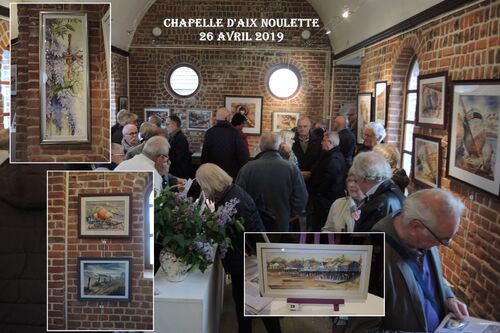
[333, 137]
[126, 129]
[157, 145]
[148, 130]
[269, 141]
[429, 206]
[390, 153]
[378, 130]
[125, 117]
[371, 166]
[287, 137]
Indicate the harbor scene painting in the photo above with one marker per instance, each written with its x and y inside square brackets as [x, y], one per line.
[314, 270]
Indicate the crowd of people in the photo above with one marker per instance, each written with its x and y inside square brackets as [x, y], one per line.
[311, 179]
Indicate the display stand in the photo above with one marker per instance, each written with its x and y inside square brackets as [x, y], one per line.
[294, 303]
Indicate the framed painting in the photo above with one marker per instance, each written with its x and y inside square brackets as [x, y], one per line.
[64, 78]
[199, 120]
[381, 102]
[13, 79]
[474, 139]
[161, 113]
[104, 215]
[285, 121]
[104, 279]
[426, 167]
[363, 115]
[122, 103]
[314, 270]
[251, 108]
[431, 101]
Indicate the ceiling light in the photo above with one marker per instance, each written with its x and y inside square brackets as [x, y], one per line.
[345, 13]
[328, 32]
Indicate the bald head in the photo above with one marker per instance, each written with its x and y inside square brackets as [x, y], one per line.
[270, 141]
[341, 122]
[222, 114]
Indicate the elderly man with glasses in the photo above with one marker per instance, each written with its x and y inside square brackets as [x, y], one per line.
[416, 295]
[130, 137]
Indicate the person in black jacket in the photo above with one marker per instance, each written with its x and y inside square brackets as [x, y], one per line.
[223, 145]
[218, 186]
[383, 197]
[306, 147]
[327, 179]
[179, 154]
[347, 143]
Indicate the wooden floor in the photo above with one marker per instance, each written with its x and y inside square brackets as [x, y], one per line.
[229, 324]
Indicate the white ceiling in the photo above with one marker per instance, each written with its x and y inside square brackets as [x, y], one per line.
[368, 18]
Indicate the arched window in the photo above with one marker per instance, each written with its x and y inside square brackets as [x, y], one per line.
[409, 118]
[149, 228]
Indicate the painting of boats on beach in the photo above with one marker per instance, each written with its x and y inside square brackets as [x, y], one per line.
[312, 270]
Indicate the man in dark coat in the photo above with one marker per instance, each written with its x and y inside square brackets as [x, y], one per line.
[276, 185]
[179, 153]
[306, 147]
[327, 179]
[223, 145]
[347, 143]
[383, 197]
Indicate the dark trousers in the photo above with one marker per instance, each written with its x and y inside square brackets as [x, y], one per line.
[272, 324]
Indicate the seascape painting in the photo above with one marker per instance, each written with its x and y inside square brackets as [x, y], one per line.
[104, 278]
[64, 78]
[313, 270]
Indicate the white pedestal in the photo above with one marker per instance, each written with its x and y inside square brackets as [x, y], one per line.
[191, 306]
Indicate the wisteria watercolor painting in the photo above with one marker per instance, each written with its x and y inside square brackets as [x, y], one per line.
[64, 78]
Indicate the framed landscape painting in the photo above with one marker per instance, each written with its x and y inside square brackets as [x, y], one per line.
[161, 113]
[104, 279]
[199, 120]
[285, 121]
[64, 78]
[431, 102]
[474, 134]
[251, 108]
[364, 114]
[426, 160]
[314, 270]
[104, 215]
[381, 102]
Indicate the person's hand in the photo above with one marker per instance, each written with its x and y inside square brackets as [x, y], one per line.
[306, 175]
[458, 308]
[181, 182]
[356, 214]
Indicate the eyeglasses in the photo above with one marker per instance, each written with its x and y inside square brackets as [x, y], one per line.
[444, 242]
[132, 133]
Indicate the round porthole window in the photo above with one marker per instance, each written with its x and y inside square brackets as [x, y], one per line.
[284, 81]
[183, 80]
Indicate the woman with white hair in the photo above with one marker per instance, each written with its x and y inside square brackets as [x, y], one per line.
[218, 187]
[285, 149]
[392, 156]
[373, 134]
[373, 175]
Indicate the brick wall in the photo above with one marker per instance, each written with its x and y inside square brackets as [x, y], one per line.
[119, 81]
[466, 44]
[26, 55]
[4, 45]
[345, 87]
[227, 68]
[64, 244]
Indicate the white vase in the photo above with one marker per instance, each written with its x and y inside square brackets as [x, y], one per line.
[174, 268]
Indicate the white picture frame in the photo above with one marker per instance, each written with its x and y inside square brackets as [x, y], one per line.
[315, 262]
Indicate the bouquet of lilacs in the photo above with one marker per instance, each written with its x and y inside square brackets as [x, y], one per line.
[190, 231]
